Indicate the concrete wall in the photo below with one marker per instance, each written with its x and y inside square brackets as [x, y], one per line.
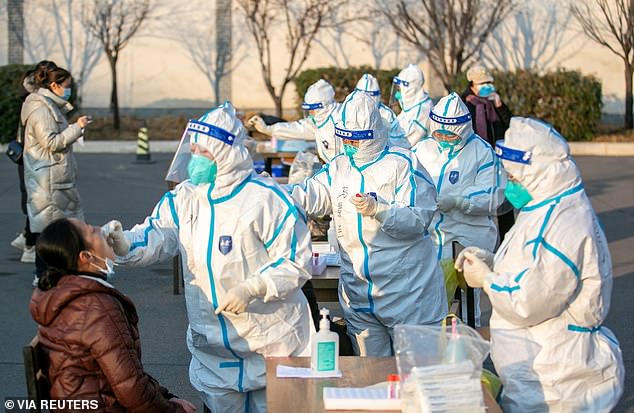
[154, 71]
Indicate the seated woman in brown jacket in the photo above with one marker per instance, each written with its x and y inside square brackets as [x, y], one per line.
[90, 328]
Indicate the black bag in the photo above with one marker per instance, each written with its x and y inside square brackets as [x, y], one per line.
[15, 148]
[14, 151]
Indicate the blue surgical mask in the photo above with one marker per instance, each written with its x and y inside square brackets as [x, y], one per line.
[517, 195]
[350, 150]
[202, 170]
[67, 93]
[448, 145]
[398, 95]
[109, 270]
[486, 90]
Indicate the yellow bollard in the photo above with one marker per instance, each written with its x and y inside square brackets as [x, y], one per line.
[143, 145]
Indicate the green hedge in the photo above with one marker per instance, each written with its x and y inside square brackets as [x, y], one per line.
[567, 99]
[343, 80]
[10, 104]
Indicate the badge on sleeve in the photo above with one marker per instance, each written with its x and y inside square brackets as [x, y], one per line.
[225, 244]
[454, 176]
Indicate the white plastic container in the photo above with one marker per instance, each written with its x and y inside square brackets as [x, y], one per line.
[325, 347]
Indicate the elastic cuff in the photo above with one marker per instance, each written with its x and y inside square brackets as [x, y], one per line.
[381, 211]
[256, 286]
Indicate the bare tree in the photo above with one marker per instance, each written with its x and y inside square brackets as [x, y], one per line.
[114, 23]
[39, 39]
[610, 23]
[300, 21]
[198, 36]
[533, 38]
[80, 48]
[371, 32]
[449, 32]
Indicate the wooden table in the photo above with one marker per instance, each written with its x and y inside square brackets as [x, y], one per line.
[306, 395]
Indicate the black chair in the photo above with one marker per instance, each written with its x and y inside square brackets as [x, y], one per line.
[36, 371]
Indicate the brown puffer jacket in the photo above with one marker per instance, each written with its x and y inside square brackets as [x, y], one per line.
[90, 330]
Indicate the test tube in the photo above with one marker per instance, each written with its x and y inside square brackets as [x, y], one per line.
[393, 386]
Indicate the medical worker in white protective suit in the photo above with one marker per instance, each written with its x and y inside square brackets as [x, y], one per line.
[549, 284]
[370, 85]
[318, 124]
[246, 253]
[465, 172]
[415, 103]
[381, 201]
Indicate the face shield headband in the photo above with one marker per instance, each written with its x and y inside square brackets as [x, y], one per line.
[354, 135]
[450, 121]
[195, 126]
[513, 155]
[312, 106]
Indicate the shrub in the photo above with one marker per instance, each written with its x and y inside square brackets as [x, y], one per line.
[343, 80]
[11, 92]
[567, 99]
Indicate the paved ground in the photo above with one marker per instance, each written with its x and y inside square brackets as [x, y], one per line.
[112, 186]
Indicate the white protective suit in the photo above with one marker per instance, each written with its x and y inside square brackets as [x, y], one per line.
[370, 85]
[389, 271]
[550, 286]
[415, 104]
[244, 227]
[467, 173]
[320, 96]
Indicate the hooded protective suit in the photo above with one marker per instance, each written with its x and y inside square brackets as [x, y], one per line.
[240, 229]
[389, 271]
[550, 286]
[320, 96]
[415, 104]
[467, 175]
[370, 85]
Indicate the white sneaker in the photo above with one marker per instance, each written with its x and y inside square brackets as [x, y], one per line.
[35, 281]
[19, 242]
[28, 255]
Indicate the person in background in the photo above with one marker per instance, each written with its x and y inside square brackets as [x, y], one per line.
[50, 170]
[89, 328]
[466, 174]
[549, 284]
[369, 85]
[490, 118]
[318, 124]
[247, 253]
[25, 241]
[382, 202]
[415, 103]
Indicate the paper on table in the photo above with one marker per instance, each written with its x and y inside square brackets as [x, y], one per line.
[303, 372]
[350, 398]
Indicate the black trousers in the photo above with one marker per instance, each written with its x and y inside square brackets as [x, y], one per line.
[31, 238]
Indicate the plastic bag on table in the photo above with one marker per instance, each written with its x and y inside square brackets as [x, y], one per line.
[304, 166]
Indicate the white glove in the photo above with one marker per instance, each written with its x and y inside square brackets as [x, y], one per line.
[113, 233]
[484, 255]
[368, 206]
[475, 270]
[446, 203]
[365, 204]
[258, 123]
[238, 298]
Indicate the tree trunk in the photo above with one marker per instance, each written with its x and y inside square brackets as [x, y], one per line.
[278, 105]
[629, 120]
[114, 96]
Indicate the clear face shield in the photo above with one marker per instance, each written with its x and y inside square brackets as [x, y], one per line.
[350, 140]
[310, 111]
[515, 194]
[396, 93]
[196, 133]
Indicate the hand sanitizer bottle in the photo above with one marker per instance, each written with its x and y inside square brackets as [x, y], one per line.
[325, 347]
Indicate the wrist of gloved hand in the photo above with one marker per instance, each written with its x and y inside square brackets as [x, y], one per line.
[381, 211]
[113, 233]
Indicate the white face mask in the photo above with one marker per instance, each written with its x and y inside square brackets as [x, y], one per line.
[109, 270]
